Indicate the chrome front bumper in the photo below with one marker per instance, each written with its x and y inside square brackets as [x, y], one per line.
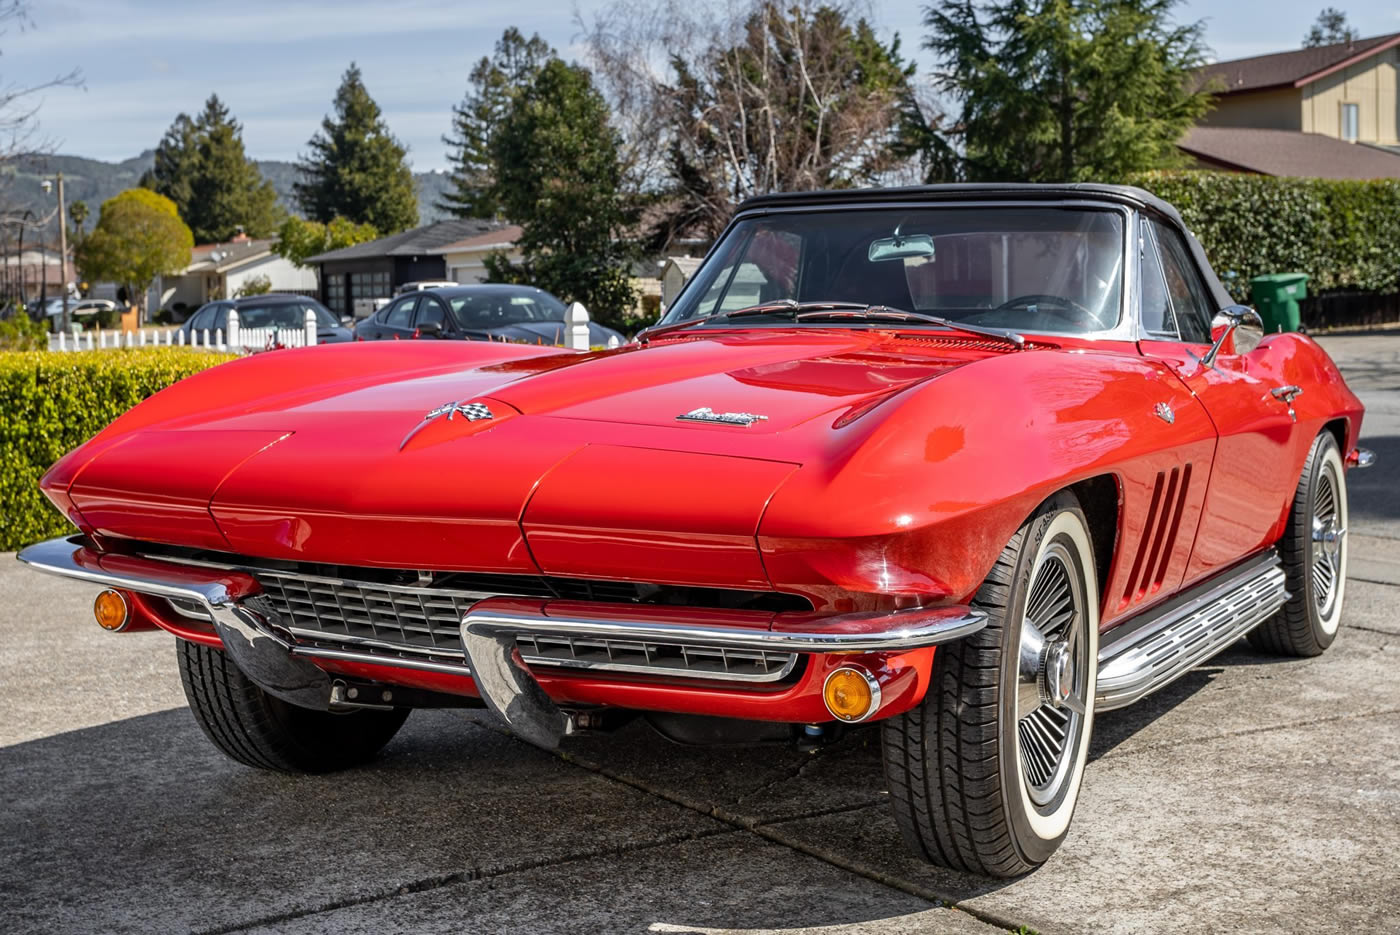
[257, 649]
[272, 657]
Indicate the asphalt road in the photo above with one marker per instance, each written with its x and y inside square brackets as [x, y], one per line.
[1255, 794]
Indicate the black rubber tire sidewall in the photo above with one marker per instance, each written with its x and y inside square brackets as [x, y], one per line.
[1296, 629]
[259, 730]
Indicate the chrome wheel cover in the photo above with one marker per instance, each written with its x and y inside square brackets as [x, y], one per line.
[1328, 547]
[1053, 674]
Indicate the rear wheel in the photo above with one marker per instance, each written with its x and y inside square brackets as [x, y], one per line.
[263, 731]
[985, 772]
[1314, 553]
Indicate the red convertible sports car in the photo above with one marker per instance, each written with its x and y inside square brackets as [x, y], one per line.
[972, 461]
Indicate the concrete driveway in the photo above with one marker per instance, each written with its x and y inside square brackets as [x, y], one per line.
[1255, 794]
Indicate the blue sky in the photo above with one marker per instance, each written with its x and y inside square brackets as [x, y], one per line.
[277, 64]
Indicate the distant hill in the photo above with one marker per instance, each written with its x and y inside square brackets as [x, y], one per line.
[94, 181]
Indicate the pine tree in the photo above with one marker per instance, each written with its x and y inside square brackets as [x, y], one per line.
[557, 174]
[357, 169]
[491, 86]
[1331, 28]
[201, 166]
[1068, 90]
[174, 163]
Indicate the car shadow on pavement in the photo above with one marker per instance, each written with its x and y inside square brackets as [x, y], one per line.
[111, 827]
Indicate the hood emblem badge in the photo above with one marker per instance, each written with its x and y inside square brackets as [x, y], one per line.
[472, 412]
[706, 414]
[1164, 412]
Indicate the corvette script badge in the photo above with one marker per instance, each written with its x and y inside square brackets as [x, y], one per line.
[706, 414]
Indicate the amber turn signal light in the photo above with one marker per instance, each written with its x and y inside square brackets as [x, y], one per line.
[111, 611]
[851, 694]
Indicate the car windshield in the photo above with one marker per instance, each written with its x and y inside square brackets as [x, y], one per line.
[492, 308]
[1022, 268]
[283, 315]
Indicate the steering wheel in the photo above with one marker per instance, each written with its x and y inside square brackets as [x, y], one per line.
[1053, 301]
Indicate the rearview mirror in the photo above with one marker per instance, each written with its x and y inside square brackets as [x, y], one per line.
[1237, 329]
[903, 247]
[430, 329]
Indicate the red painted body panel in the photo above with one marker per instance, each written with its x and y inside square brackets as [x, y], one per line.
[1261, 448]
[891, 470]
[903, 679]
[662, 532]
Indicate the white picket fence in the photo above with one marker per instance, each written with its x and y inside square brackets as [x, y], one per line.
[238, 340]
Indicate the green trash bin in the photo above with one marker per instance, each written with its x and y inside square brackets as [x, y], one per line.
[1275, 298]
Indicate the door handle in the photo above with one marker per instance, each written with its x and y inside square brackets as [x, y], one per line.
[1287, 394]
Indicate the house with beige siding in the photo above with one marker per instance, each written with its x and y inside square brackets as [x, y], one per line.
[1330, 111]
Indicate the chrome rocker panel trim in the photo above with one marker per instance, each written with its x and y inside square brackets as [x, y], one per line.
[1150, 652]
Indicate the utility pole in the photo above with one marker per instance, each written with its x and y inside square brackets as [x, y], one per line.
[63, 250]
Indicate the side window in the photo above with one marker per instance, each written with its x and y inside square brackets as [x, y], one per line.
[1189, 297]
[203, 318]
[400, 313]
[1158, 319]
[430, 309]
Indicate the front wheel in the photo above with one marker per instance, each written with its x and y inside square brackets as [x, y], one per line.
[260, 730]
[1314, 554]
[985, 773]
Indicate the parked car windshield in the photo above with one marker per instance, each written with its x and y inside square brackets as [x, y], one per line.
[283, 315]
[1032, 269]
[492, 308]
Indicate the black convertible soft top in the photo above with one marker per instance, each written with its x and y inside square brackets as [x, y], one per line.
[999, 191]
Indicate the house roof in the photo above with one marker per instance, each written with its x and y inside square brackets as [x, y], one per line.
[491, 239]
[686, 264]
[1296, 68]
[217, 257]
[1288, 152]
[418, 241]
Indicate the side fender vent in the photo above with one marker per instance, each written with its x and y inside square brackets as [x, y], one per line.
[1158, 536]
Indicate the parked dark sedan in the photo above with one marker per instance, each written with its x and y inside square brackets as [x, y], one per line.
[520, 314]
[266, 311]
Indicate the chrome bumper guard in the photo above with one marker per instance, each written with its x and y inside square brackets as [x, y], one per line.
[490, 628]
[257, 649]
[249, 628]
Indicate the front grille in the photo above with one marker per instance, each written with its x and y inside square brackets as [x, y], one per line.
[427, 620]
[421, 619]
[636, 656]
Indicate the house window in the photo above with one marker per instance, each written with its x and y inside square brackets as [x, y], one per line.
[369, 285]
[335, 294]
[1351, 122]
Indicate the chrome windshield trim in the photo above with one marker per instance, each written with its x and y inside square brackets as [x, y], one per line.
[1125, 329]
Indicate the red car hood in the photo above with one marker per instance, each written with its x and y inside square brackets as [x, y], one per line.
[326, 454]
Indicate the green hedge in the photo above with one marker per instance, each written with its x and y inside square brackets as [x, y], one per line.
[1343, 234]
[52, 402]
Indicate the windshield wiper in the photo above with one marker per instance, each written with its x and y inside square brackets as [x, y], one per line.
[813, 311]
[885, 313]
[776, 307]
